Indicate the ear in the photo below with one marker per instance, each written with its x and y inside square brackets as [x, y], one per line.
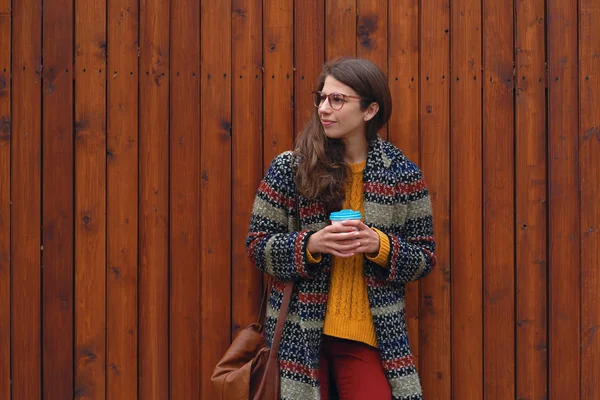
[371, 111]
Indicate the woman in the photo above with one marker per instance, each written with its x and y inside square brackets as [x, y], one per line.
[346, 326]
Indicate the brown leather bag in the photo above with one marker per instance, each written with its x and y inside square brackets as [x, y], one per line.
[249, 370]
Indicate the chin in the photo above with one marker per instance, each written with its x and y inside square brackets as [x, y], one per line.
[333, 134]
[334, 137]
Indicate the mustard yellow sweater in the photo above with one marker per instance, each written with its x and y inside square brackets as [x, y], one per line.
[348, 314]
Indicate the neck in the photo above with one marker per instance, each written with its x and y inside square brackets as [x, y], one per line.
[355, 149]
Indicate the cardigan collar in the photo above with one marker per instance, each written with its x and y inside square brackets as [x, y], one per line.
[377, 157]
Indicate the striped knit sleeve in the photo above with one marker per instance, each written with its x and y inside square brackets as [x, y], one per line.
[269, 244]
[412, 244]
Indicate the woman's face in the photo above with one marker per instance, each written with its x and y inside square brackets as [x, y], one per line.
[347, 123]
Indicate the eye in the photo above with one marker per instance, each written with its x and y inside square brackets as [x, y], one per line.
[337, 98]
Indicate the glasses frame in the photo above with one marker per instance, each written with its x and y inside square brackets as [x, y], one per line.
[328, 96]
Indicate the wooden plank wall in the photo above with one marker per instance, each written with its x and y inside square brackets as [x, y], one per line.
[134, 134]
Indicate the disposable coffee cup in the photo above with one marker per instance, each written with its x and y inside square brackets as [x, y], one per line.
[338, 217]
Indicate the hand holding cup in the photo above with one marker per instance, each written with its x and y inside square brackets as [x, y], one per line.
[346, 236]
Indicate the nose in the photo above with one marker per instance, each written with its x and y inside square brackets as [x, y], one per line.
[325, 107]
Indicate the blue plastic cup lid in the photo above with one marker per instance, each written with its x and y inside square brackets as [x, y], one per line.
[345, 215]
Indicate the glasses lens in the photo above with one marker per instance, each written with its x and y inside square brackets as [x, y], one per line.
[317, 99]
[336, 101]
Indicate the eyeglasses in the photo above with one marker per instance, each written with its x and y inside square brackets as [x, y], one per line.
[336, 100]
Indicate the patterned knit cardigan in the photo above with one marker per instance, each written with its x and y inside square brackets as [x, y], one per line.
[396, 202]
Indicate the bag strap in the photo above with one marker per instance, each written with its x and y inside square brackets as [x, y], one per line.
[262, 311]
[287, 295]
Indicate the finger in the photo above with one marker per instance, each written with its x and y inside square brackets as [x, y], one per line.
[337, 228]
[367, 248]
[354, 235]
[344, 235]
[351, 242]
[343, 248]
[355, 223]
[341, 237]
[362, 249]
[351, 247]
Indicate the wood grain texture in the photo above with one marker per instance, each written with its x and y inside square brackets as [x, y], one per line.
[134, 134]
[372, 31]
[499, 200]
[589, 182]
[531, 202]
[309, 56]
[153, 321]
[403, 127]
[122, 201]
[278, 78]
[564, 215]
[184, 351]
[5, 229]
[90, 199]
[372, 37]
[467, 202]
[340, 29]
[434, 114]
[26, 181]
[57, 200]
[247, 167]
[216, 187]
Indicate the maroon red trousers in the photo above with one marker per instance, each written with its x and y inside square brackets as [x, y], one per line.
[354, 368]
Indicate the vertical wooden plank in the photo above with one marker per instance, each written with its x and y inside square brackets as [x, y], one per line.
[531, 202]
[404, 76]
[122, 201]
[154, 200]
[371, 34]
[466, 178]
[340, 28]
[185, 192]
[589, 175]
[5, 160]
[57, 200]
[403, 54]
[499, 200]
[371, 31]
[564, 206]
[309, 56]
[26, 198]
[278, 83]
[246, 102]
[216, 186]
[434, 112]
[90, 198]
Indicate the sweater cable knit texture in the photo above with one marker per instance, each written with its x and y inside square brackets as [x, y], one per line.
[348, 315]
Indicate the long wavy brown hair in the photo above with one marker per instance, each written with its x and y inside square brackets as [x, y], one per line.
[321, 173]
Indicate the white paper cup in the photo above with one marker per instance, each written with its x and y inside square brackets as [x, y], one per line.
[338, 217]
